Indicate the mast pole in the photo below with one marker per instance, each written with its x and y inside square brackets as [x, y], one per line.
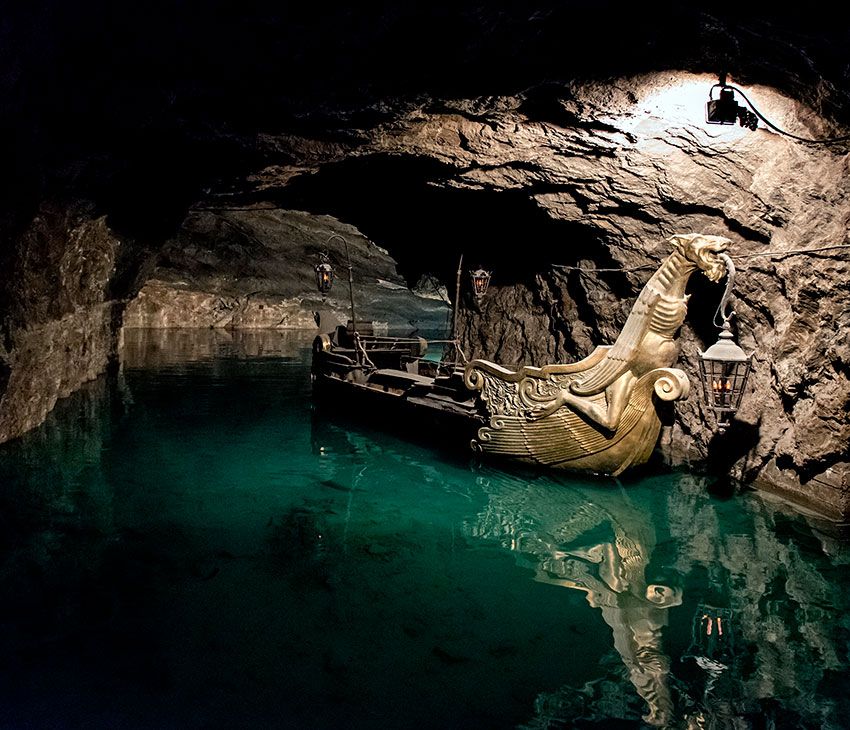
[457, 307]
[350, 277]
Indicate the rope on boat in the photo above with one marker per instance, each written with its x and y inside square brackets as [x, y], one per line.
[359, 344]
[383, 338]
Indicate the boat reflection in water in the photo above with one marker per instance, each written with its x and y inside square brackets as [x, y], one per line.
[601, 544]
[722, 613]
[174, 554]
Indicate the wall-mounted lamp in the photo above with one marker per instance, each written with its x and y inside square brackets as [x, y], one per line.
[724, 367]
[725, 110]
[480, 279]
[480, 282]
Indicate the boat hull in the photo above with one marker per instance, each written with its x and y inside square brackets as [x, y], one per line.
[491, 409]
[409, 408]
[565, 439]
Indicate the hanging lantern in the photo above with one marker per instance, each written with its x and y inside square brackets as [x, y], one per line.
[480, 282]
[324, 275]
[724, 367]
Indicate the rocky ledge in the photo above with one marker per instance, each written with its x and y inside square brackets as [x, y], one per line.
[61, 328]
[253, 268]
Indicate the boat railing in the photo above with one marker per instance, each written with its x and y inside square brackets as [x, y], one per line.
[373, 352]
[402, 343]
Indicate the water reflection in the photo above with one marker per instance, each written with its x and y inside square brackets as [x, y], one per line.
[193, 515]
[754, 571]
[153, 348]
[600, 543]
[723, 613]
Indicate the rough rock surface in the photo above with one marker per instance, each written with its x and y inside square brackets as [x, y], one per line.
[161, 304]
[60, 330]
[175, 347]
[624, 165]
[253, 268]
[599, 174]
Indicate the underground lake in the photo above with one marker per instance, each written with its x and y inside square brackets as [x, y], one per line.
[187, 542]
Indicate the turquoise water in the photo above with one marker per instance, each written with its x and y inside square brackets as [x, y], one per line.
[188, 544]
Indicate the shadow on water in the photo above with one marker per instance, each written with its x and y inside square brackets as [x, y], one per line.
[189, 545]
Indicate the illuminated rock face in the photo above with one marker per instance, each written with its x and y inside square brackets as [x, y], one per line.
[254, 269]
[61, 326]
[616, 169]
[73, 282]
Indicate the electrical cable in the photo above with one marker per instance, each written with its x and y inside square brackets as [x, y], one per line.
[829, 140]
[790, 252]
[437, 291]
[592, 271]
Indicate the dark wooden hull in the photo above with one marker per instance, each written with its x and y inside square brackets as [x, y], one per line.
[447, 416]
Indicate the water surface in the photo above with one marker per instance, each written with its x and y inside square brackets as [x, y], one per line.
[189, 544]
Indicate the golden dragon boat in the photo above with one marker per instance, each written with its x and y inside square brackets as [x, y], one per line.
[599, 415]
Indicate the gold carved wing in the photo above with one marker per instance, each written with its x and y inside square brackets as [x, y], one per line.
[622, 353]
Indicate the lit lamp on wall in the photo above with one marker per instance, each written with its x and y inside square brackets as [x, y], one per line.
[324, 274]
[724, 109]
[480, 279]
[724, 367]
[480, 282]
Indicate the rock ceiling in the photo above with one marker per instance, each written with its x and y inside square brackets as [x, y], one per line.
[528, 136]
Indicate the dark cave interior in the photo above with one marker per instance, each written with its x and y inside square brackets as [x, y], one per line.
[403, 206]
[154, 97]
[192, 537]
[519, 135]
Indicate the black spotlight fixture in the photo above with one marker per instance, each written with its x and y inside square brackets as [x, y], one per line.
[726, 110]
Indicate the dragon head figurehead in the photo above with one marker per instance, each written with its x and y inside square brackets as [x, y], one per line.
[702, 250]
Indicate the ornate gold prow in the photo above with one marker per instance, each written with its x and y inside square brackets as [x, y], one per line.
[599, 414]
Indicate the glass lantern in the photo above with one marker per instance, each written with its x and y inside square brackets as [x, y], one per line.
[324, 276]
[724, 368]
[480, 282]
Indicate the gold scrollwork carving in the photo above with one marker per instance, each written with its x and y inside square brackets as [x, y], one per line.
[598, 414]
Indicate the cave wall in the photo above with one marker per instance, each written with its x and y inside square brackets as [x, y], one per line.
[627, 164]
[573, 175]
[164, 107]
[60, 328]
[253, 267]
